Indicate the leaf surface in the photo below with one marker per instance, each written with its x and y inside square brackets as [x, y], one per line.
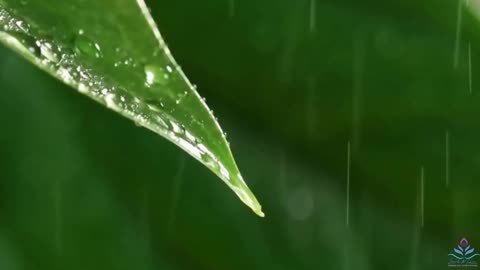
[113, 52]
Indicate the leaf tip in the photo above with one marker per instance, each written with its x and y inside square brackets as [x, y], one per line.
[240, 188]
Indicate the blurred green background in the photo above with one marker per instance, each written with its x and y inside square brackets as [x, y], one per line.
[295, 84]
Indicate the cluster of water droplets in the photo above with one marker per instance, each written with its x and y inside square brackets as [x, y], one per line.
[149, 113]
[45, 52]
[157, 75]
[61, 60]
[86, 46]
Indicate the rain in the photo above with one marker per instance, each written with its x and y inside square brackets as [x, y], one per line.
[355, 126]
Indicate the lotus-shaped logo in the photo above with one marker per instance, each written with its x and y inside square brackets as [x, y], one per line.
[463, 255]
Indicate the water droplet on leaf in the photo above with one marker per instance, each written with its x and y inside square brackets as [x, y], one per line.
[87, 47]
[154, 105]
[48, 51]
[155, 75]
[25, 27]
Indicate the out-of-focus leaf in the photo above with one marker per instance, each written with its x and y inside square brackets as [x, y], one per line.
[113, 52]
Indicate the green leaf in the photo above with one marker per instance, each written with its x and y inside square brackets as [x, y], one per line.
[112, 51]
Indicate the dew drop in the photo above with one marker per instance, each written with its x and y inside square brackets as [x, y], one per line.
[86, 46]
[177, 128]
[154, 105]
[128, 62]
[82, 88]
[190, 137]
[65, 75]
[155, 75]
[48, 51]
[110, 99]
[25, 27]
[27, 41]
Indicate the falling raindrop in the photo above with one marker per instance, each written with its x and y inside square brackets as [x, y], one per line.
[456, 52]
[347, 203]
[58, 195]
[422, 199]
[311, 108]
[470, 67]
[312, 15]
[447, 158]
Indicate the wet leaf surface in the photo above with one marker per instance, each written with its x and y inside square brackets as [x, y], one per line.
[113, 52]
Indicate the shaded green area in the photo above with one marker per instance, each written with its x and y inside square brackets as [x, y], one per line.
[82, 188]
